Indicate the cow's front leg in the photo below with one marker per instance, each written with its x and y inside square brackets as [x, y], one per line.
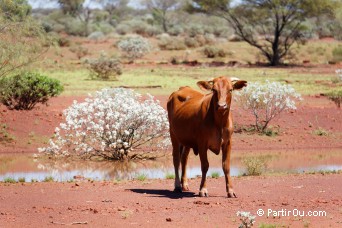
[226, 151]
[204, 166]
[184, 161]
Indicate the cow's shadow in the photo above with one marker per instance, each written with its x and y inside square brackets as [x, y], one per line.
[164, 193]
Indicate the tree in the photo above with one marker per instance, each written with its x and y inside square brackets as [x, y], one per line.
[115, 8]
[15, 9]
[22, 39]
[72, 7]
[78, 9]
[272, 26]
[160, 10]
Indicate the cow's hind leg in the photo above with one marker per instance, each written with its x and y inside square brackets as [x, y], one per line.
[204, 166]
[176, 154]
[184, 161]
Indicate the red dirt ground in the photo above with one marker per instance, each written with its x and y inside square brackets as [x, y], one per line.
[153, 203]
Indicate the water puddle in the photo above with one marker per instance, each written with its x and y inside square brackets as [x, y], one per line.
[26, 167]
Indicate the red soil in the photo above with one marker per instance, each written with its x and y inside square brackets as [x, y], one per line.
[152, 203]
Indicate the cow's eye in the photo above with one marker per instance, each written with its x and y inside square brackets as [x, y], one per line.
[231, 90]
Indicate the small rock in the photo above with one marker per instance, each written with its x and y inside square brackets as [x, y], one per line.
[168, 219]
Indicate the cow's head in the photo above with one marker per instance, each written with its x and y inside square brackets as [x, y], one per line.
[222, 88]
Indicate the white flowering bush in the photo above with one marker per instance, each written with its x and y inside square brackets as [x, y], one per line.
[266, 101]
[111, 125]
[134, 47]
[246, 218]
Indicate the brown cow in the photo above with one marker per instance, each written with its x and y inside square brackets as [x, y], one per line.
[201, 122]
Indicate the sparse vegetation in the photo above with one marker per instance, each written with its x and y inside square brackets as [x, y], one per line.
[336, 97]
[321, 132]
[5, 136]
[21, 179]
[255, 165]
[49, 179]
[337, 53]
[141, 177]
[9, 180]
[170, 176]
[213, 52]
[215, 175]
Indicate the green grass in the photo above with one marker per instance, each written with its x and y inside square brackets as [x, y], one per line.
[48, 179]
[321, 132]
[171, 78]
[9, 180]
[141, 177]
[170, 176]
[215, 175]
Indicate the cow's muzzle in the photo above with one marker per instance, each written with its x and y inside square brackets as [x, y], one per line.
[222, 107]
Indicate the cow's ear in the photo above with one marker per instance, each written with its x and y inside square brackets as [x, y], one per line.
[205, 85]
[239, 84]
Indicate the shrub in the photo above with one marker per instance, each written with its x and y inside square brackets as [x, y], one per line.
[213, 52]
[137, 26]
[104, 67]
[171, 43]
[175, 30]
[255, 165]
[103, 27]
[79, 51]
[195, 29]
[63, 42]
[96, 36]
[336, 97]
[134, 47]
[209, 38]
[74, 27]
[337, 53]
[266, 101]
[339, 74]
[191, 42]
[24, 91]
[234, 38]
[21, 179]
[111, 125]
[123, 29]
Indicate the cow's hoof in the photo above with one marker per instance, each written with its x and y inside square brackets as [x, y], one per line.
[203, 193]
[231, 195]
[185, 188]
[178, 189]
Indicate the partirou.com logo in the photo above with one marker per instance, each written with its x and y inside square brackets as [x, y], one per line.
[290, 212]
